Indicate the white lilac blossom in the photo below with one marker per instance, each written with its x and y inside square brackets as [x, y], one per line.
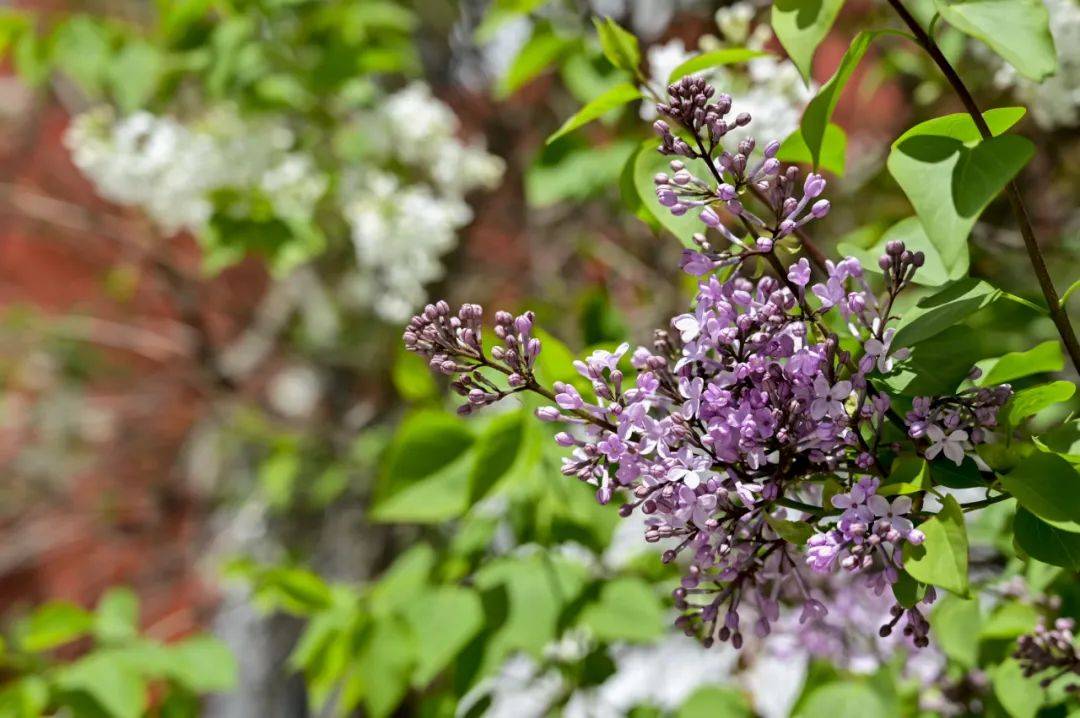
[1054, 102]
[403, 221]
[169, 169]
[736, 414]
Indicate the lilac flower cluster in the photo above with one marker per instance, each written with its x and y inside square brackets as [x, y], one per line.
[1050, 649]
[739, 412]
[951, 423]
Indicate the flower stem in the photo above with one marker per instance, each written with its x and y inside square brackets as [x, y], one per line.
[1038, 262]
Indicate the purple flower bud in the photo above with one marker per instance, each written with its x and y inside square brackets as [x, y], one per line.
[548, 413]
[814, 185]
[820, 208]
[710, 217]
[772, 148]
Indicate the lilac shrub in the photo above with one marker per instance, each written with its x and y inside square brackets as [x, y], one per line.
[750, 405]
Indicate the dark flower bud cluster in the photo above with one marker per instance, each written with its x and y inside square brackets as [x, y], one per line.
[1050, 650]
[732, 173]
[917, 628]
[899, 264]
[453, 345]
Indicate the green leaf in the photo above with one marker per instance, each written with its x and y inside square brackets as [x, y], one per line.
[542, 51]
[951, 174]
[1047, 485]
[425, 443]
[833, 151]
[134, 74]
[412, 377]
[202, 664]
[496, 451]
[1009, 620]
[908, 591]
[956, 622]
[1028, 402]
[941, 560]
[576, 174]
[796, 532]
[628, 610]
[944, 472]
[801, 25]
[649, 162]
[117, 616]
[116, 687]
[907, 475]
[939, 364]
[617, 96]
[714, 58]
[1046, 543]
[407, 577]
[620, 47]
[1064, 439]
[27, 697]
[942, 265]
[1019, 695]
[444, 621]
[533, 591]
[1045, 357]
[385, 663]
[842, 699]
[83, 51]
[1018, 30]
[941, 310]
[52, 625]
[278, 474]
[815, 119]
[715, 702]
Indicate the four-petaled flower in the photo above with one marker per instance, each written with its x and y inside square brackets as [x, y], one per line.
[829, 400]
[952, 444]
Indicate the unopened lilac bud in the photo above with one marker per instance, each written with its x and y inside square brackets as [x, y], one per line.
[710, 217]
[562, 438]
[771, 166]
[682, 177]
[746, 146]
[772, 148]
[661, 178]
[884, 262]
[742, 119]
[515, 380]
[787, 227]
[820, 208]
[764, 244]
[603, 495]
[918, 259]
[726, 192]
[548, 413]
[814, 185]
[894, 247]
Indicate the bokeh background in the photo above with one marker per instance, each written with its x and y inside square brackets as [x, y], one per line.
[216, 217]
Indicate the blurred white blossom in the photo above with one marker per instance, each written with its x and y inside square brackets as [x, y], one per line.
[170, 169]
[404, 222]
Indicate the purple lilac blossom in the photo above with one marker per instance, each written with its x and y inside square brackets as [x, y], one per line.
[740, 409]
